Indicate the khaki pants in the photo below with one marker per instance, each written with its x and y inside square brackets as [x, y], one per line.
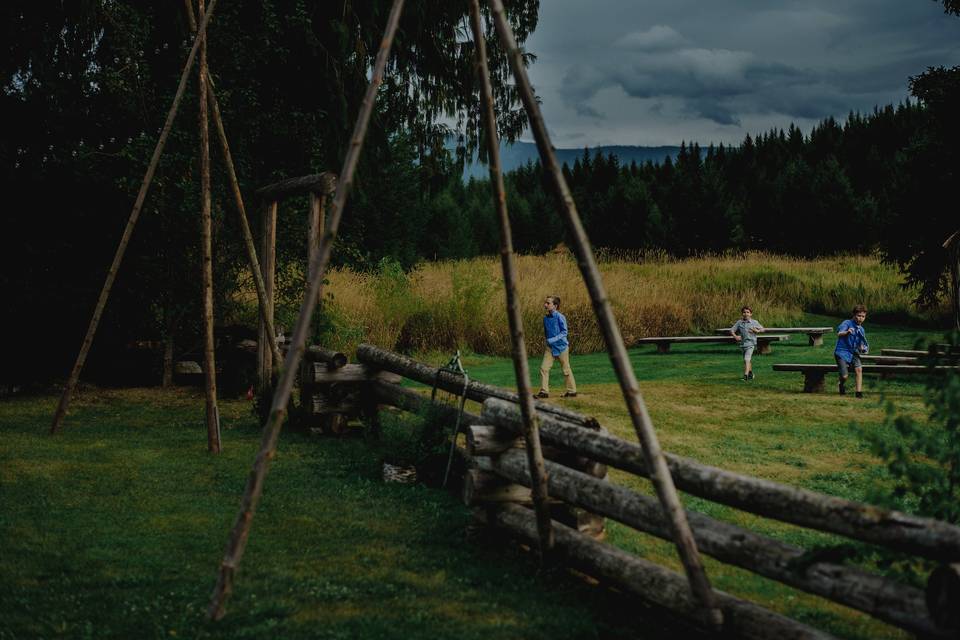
[547, 364]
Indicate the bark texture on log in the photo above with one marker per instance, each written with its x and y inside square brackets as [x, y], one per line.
[653, 583]
[319, 183]
[319, 373]
[883, 598]
[410, 368]
[921, 536]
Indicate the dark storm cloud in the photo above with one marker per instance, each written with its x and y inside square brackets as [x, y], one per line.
[611, 69]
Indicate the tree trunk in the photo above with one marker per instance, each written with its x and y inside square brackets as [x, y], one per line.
[921, 536]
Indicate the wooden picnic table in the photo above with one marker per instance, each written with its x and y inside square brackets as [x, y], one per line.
[814, 374]
[814, 334]
[663, 342]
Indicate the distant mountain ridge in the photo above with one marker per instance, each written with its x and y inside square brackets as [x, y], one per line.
[519, 153]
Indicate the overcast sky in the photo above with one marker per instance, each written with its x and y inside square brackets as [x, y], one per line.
[656, 72]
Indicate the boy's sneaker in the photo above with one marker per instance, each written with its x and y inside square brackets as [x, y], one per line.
[569, 394]
[859, 394]
[750, 376]
[542, 394]
[843, 388]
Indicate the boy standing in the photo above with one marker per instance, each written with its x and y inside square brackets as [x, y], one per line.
[745, 331]
[555, 331]
[851, 342]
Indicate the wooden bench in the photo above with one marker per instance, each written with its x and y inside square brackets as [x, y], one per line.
[814, 334]
[814, 374]
[663, 343]
[898, 360]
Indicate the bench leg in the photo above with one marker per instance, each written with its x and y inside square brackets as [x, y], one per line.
[816, 339]
[763, 348]
[663, 347]
[813, 381]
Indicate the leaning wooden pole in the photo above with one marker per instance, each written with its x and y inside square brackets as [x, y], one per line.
[206, 241]
[666, 492]
[521, 368]
[248, 242]
[128, 231]
[271, 430]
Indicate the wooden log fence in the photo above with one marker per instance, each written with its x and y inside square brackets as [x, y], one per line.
[924, 537]
[498, 480]
[883, 598]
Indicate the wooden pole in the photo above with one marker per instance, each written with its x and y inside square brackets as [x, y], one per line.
[268, 249]
[248, 242]
[880, 597]
[642, 424]
[271, 431]
[521, 368]
[920, 536]
[128, 231]
[206, 241]
[653, 582]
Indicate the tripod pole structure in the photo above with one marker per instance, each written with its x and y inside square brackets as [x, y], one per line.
[271, 430]
[521, 368]
[643, 425]
[128, 231]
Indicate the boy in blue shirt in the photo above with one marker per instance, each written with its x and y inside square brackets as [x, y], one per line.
[851, 342]
[555, 331]
[745, 332]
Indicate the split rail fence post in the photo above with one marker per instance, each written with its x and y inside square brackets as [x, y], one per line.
[663, 483]
[268, 443]
[521, 368]
[128, 231]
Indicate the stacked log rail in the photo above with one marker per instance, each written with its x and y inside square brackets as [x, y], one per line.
[930, 614]
[498, 479]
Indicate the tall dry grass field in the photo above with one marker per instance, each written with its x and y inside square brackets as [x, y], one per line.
[447, 305]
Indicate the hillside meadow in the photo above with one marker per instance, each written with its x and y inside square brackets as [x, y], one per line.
[461, 304]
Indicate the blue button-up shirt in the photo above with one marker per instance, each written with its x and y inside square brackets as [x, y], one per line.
[555, 330]
[851, 344]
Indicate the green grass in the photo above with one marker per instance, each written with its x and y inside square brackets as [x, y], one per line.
[115, 527]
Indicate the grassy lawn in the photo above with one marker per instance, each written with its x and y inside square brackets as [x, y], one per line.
[115, 527]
